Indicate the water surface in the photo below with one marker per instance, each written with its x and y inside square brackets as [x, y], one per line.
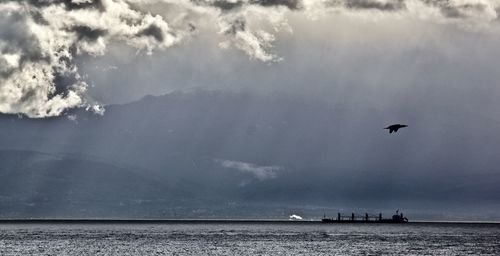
[252, 238]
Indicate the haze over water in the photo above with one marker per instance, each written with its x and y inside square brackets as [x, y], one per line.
[249, 108]
[233, 238]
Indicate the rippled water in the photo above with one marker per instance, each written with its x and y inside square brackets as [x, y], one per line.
[249, 239]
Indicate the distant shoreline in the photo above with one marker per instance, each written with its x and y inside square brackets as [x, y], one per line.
[216, 221]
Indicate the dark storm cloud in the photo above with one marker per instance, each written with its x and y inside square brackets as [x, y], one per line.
[38, 17]
[230, 5]
[153, 31]
[449, 9]
[14, 31]
[223, 5]
[393, 5]
[88, 33]
[460, 11]
[291, 4]
[93, 4]
[69, 4]
[236, 26]
[454, 10]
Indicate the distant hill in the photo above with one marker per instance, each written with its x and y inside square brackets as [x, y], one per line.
[50, 185]
[219, 153]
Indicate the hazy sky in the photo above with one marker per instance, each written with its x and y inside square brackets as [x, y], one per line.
[59, 54]
[354, 65]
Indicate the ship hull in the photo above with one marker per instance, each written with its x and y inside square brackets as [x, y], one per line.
[363, 221]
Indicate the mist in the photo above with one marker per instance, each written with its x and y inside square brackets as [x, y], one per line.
[223, 108]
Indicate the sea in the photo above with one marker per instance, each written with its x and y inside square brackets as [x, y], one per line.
[247, 238]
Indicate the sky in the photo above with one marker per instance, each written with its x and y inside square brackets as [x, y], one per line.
[430, 64]
[59, 54]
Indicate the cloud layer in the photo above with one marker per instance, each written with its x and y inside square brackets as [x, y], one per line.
[40, 40]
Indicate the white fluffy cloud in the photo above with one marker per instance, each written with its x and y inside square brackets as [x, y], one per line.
[40, 40]
[39, 43]
[259, 172]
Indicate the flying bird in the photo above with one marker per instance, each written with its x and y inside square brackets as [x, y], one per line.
[395, 127]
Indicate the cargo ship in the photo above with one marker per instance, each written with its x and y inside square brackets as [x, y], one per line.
[353, 218]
